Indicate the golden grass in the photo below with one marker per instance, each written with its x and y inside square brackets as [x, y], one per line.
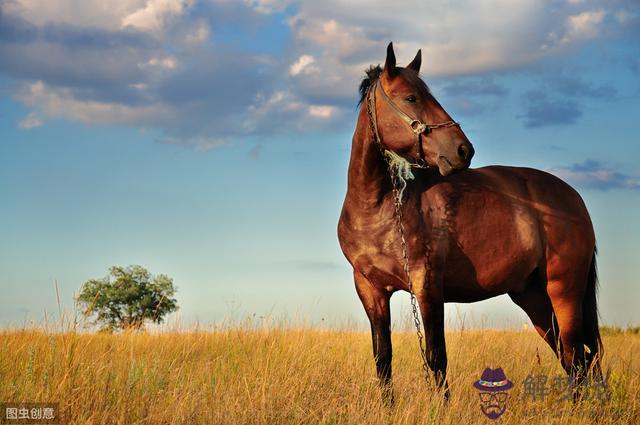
[290, 376]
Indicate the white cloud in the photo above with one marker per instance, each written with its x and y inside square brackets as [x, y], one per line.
[478, 39]
[302, 65]
[322, 111]
[452, 43]
[268, 6]
[199, 34]
[289, 112]
[151, 16]
[583, 25]
[106, 14]
[168, 62]
[343, 38]
[278, 103]
[30, 121]
[138, 86]
[149, 62]
[346, 36]
[489, 35]
[155, 14]
[596, 175]
[199, 143]
[279, 99]
[62, 103]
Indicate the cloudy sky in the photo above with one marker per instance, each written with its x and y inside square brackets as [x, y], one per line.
[209, 139]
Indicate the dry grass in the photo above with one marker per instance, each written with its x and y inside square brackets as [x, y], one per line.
[289, 376]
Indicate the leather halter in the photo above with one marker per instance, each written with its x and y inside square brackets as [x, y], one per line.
[417, 127]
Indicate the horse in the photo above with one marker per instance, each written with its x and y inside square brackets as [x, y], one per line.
[416, 218]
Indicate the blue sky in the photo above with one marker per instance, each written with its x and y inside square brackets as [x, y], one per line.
[209, 140]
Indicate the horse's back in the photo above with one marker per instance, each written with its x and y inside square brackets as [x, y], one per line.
[548, 191]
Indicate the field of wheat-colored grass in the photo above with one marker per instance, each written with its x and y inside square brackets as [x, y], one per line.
[288, 376]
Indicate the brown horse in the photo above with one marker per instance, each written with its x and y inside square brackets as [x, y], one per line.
[472, 235]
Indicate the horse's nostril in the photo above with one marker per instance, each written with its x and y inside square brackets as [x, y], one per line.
[463, 151]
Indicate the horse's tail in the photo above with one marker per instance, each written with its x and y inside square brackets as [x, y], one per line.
[590, 328]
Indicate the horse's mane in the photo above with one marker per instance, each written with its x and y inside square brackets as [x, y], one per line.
[373, 73]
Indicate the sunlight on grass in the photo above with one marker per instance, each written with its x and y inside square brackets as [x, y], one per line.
[249, 375]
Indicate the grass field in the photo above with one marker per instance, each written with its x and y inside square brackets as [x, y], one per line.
[290, 376]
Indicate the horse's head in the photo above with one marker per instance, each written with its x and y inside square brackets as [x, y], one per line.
[411, 122]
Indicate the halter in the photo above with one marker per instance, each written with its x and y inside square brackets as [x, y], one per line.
[417, 127]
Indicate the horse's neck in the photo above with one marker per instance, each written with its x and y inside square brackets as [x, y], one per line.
[368, 176]
[369, 206]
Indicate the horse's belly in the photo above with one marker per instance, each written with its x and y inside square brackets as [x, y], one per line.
[497, 247]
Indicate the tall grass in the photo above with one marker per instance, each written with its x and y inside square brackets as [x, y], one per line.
[250, 375]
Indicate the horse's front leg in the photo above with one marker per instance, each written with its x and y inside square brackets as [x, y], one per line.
[432, 311]
[376, 305]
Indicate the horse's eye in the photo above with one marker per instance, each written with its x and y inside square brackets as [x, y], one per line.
[411, 99]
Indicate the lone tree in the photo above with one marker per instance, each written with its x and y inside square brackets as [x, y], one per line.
[127, 297]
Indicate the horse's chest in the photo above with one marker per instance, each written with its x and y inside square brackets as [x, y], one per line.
[376, 252]
[370, 244]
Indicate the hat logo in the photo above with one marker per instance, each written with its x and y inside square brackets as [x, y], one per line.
[493, 386]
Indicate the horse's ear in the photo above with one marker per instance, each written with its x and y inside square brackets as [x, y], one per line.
[390, 62]
[416, 62]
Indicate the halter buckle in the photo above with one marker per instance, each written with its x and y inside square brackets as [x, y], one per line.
[418, 127]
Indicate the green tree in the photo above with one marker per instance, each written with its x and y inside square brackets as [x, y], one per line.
[127, 297]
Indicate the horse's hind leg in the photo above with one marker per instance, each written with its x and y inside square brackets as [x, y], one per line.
[566, 297]
[537, 304]
[376, 305]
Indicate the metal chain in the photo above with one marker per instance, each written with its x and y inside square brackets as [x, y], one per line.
[400, 227]
[405, 258]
